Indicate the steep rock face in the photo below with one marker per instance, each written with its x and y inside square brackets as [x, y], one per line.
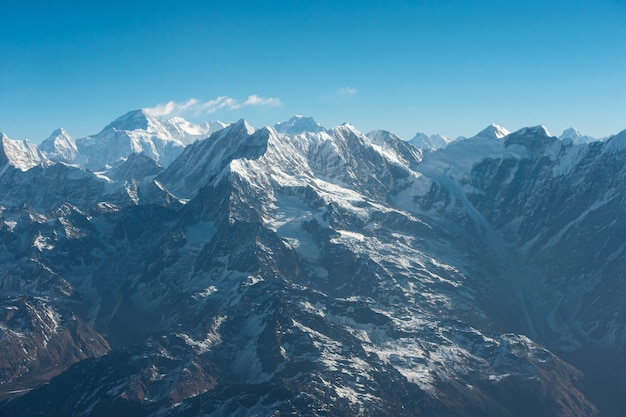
[552, 210]
[39, 341]
[563, 209]
[318, 273]
[42, 326]
[203, 161]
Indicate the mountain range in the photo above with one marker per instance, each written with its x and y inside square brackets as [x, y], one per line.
[164, 268]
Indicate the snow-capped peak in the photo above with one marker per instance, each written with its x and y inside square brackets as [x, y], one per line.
[137, 131]
[188, 132]
[380, 137]
[540, 130]
[493, 131]
[133, 120]
[298, 124]
[431, 143]
[175, 128]
[573, 135]
[21, 154]
[347, 127]
[240, 127]
[60, 146]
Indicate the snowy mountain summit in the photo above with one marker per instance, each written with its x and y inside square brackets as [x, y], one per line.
[493, 131]
[20, 154]
[137, 131]
[299, 270]
[175, 128]
[573, 135]
[429, 143]
[60, 146]
[298, 124]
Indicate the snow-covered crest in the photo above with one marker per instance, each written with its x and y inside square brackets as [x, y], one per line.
[60, 146]
[430, 143]
[137, 131]
[572, 135]
[20, 154]
[298, 124]
[493, 131]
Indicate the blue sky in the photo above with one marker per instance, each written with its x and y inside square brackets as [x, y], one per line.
[449, 67]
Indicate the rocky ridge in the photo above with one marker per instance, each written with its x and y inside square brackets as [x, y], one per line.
[318, 272]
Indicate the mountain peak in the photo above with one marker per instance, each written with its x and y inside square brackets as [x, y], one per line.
[380, 137]
[60, 146]
[298, 124]
[138, 165]
[539, 130]
[574, 136]
[133, 120]
[493, 131]
[348, 127]
[570, 131]
[60, 132]
[431, 143]
[240, 126]
[21, 154]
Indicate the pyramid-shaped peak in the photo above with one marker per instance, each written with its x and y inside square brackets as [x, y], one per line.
[573, 135]
[133, 120]
[59, 132]
[298, 124]
[240, 128]
[493, 131]
[347, 128]
[59, 142]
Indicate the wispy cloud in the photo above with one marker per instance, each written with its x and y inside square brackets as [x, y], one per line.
[171, 108]
[255, 100]
[199, 107]
[347, 91]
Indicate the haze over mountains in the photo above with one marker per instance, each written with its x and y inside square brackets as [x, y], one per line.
[167, 268]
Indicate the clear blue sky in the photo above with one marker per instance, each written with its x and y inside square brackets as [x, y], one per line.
[449, 67]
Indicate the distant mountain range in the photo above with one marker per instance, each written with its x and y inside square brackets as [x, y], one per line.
[164, 268]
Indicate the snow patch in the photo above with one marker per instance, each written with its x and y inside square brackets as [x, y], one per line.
[42, 243]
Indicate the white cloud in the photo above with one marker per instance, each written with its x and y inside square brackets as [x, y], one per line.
[198, 107]
[222, 102]
[171, 108]
[255, 100]
[347, 91]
